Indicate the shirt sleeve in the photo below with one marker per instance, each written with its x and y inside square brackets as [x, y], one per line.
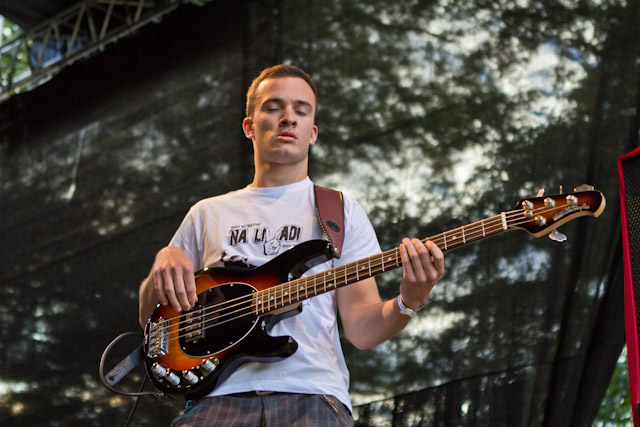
[188, 238]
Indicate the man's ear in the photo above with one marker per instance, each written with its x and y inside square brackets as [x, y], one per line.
[247, 127]
[314, 135]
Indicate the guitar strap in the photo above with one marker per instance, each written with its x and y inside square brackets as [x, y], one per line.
[330, 211]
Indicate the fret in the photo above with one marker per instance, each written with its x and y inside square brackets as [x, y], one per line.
[346, 279]
[259, 302]
[357, 271]
[293, 291]
[274, 297]
[483, 233]
[364, 267]
[254, 305]
[464, 240]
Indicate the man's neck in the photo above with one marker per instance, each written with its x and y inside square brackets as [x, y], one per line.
[277, 177]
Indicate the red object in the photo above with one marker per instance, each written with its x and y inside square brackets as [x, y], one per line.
[629, 169]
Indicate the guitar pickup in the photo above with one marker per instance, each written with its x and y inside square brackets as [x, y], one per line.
[158, 343]
[192, 326]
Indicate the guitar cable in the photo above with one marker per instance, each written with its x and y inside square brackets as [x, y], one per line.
[127, 365]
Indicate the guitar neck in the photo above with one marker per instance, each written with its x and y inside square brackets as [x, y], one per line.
[298, 290]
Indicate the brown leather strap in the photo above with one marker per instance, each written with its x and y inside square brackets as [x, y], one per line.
[330, 211]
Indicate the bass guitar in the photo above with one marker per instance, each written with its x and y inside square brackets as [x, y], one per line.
[188, 353]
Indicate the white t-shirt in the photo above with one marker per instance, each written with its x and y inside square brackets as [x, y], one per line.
[253, 225]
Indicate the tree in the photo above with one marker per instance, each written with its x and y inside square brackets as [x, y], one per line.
[616, 405]
[14, 61]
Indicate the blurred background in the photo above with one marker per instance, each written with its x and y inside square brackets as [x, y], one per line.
[115, 117]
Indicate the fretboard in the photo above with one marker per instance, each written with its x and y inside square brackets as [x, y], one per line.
[297, 290]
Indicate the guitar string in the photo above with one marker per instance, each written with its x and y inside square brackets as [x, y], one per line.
[377, 268]
[271, 299]
[472, 235]
[376, 264]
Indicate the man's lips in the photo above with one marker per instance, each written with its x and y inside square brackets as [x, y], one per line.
[287, 136]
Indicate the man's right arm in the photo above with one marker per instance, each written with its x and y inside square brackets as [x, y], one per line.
[170, 282]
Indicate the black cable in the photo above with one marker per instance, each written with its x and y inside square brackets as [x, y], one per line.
[135, 404]
[104, 382]
[137, 395]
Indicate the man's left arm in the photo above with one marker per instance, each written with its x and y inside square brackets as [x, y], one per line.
[369, 321]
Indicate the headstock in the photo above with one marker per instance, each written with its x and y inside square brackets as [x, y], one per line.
[541, 215]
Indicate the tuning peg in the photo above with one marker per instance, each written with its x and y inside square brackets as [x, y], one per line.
[584, 187]
[540, 192]
[557, 236]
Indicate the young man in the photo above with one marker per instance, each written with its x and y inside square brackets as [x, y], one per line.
[254, 224]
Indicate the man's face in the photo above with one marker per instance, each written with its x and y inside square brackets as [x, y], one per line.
[282, 126]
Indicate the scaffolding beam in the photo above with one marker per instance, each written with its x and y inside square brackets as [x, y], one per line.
[33, 57]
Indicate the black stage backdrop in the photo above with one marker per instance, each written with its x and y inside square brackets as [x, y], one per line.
[432, 114]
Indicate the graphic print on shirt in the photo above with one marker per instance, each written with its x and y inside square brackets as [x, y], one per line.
[258, 235]
[234, 259]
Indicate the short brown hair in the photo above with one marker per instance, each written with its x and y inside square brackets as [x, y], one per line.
[275, 72]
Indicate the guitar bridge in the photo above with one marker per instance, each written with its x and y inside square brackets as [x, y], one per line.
[158, 338]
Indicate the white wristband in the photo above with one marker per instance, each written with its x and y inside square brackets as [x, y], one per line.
[406, 310]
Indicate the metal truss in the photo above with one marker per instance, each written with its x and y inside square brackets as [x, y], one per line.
[34, 57]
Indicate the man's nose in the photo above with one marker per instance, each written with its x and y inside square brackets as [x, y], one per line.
[288, 117]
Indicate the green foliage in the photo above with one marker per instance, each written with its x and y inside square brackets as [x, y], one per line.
[616, 405]
[14, 62]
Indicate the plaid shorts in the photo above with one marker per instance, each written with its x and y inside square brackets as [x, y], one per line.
[265, 410]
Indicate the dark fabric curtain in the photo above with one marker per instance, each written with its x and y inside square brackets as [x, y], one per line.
[432, 115]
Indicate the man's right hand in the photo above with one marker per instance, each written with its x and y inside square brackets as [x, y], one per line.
[173, 278]
[171, 282]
